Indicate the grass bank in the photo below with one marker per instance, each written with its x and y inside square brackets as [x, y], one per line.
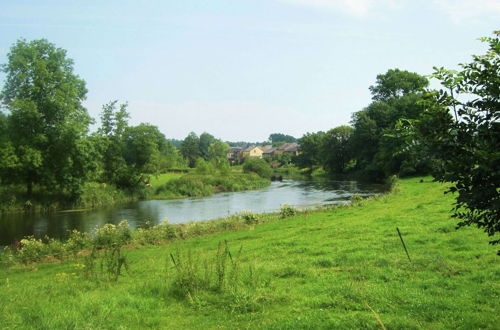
[162, 186]
[196, 185]
[338, 268]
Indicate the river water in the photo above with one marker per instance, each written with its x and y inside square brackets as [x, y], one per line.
[301, 194]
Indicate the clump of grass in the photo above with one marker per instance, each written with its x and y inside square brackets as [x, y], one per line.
[248, 217]
[197, 279]
[287, 211]
[107, 252]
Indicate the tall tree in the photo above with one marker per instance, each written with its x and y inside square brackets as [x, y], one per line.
[47, 119]
[206, 140]
[337, 147]
[396, 83]
[397, 94]
[190, 148]
[312, 155]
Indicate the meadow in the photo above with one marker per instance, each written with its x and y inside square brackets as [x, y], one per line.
[341, 267]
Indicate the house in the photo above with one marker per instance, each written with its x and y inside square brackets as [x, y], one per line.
[251, 151]
[287, 148]
[234, 154]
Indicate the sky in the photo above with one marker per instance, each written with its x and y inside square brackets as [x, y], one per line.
[243, 69]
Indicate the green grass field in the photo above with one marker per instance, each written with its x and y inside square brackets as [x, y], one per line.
[337, 269]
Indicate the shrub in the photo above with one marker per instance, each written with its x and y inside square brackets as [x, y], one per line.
[287, 211]
[111, 235]
[32, 250]
[258, 166]
[248, 217]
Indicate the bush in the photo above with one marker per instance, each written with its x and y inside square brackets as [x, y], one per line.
[287, 211]
[32, 250]
[154, 235]
[248, 217]
[111, 235]
[258, 166]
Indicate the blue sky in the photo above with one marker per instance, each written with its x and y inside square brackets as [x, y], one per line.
[241, 70]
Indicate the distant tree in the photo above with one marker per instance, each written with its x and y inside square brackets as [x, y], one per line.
[337, 147]
[279, 137]
[190, 149]
[143, 146]
[465, 146]
[46, 117]
[312, 155]
[218, 149]
[206, 140]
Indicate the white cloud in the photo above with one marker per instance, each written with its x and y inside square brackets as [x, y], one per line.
[359, 8]
[460, 10]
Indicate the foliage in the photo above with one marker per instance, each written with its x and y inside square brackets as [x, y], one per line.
[46, 118]
[337, 148]
[258, 166]
[205, 141]
[197, 185]
[218, 150]
[287, 211]
[396, 83]
[190, 148]
[280, 137]
[311, 146]
[248, 217]
[377, 148]
[466, 148]
[111, 235]
[203, 167]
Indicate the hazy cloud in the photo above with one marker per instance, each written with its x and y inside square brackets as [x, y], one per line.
[460, 10]
[359, 8]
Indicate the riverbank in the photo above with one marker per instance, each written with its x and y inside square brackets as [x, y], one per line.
[163, 186]
[336, 268]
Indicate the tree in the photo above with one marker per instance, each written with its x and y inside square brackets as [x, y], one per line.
[279, 137]
[46, 118]
[190, 149]
[466, 148]
[396, 83]
[218, 149]
[205, 141]
[114, 124]
[337, 148]
[144, 144]
[311, 155]
[380, 152]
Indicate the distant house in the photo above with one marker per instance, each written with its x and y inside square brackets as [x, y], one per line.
[291, 148]
[236, 155]
[252, 152]
[287, 148]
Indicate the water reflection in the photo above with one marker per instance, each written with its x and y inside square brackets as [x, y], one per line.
[298, 193]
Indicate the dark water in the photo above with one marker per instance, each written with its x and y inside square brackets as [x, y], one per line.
[302, 194]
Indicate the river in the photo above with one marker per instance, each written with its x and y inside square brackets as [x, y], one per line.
[301, 194]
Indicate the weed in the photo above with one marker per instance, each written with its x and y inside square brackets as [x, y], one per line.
[248, 217]
[287, 211]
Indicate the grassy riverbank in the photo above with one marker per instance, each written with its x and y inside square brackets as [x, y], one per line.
[339, 268]
[162, 186]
